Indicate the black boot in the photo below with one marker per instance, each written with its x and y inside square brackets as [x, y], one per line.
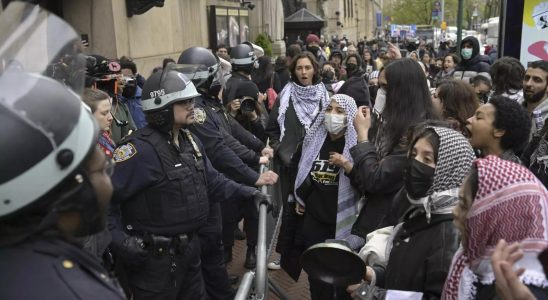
[250, 258]
[228, 254]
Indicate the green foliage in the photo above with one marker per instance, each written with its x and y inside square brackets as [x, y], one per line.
[263, 41]
[420, 11]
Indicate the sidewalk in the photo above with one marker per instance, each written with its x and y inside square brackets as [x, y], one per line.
[294, 290]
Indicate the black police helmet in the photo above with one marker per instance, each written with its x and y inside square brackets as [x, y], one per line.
[207, 64]
[46, 132]
[160, 92]
[242, 57]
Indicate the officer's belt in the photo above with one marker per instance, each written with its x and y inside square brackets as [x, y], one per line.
[162, 245]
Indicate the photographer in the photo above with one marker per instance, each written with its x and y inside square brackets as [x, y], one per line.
[104, 74]
[131, 93]
[248, 110]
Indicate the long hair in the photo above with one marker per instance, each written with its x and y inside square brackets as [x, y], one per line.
[507, 73]
[310, 56]
[459, 101]
[264, 71]
[408, 102]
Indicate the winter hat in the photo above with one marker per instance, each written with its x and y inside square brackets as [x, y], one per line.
[312, 38]
[246, 88]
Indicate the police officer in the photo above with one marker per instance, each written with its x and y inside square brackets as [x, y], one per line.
[229, 155]
[163, 187]
[54, 182]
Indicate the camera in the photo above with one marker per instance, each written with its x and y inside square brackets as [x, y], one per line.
[247, 105]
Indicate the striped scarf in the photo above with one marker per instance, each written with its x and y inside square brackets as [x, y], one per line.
[312, 144]
[510, 204]
[306, 101]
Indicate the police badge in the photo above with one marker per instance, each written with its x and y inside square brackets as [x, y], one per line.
[200, 115]
[124, 152]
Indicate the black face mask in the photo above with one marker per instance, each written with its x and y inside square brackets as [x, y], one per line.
[418, 178]
[328, 77]
[351, 67]
[313, 49]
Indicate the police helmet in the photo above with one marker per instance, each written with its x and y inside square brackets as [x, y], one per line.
[207, 64]
[46, 132]
[243, 57]
[165, 88]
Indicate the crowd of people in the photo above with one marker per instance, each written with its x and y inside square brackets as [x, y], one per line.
[431, 167]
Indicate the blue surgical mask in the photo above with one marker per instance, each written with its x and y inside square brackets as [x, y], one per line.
[466, 53]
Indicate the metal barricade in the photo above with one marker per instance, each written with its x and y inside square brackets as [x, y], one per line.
[255, 284]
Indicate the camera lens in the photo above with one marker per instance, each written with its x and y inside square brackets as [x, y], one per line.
[247, 105]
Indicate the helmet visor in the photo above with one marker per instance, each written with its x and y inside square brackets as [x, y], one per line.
[34, 40]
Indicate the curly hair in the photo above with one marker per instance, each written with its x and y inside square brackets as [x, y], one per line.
[511, 117]
[310, 56]
[459, 101]
[507, 73]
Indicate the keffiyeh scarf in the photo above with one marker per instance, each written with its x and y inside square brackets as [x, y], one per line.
[510, 204]
[312, 144]
[455, 157]
[308, 102]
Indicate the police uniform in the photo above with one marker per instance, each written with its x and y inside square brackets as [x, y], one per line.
[45, 268]
[213, 128]
[162, 193]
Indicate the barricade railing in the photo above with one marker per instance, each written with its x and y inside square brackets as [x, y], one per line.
[255, 284]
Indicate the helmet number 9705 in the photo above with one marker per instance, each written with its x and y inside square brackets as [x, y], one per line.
[157, 93]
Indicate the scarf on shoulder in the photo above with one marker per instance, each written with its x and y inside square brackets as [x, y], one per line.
[510, 204]
[308, 102]
[106, 143]
[347, 196]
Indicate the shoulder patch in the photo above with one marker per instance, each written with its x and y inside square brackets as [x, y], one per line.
[200, 115]
[124, 152]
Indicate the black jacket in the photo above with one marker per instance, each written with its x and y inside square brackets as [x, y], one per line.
[426, 250]
[379, 180]
[50, 268]
[468, 69]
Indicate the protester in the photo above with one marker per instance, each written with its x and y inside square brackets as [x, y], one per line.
[500, 127]
[354, 66]
[498, 200]
[368, 62]
[403, 100]
[535, 92]
[313, 46]
[482, 87]
[336, 59]
[265, 77]
[326, 202]
[414, 56]
[438, 161]
[507, 75]
[470, 64]
[298, 106]
[280, 67]
[99, 103]
[455, 102]
[449, 63]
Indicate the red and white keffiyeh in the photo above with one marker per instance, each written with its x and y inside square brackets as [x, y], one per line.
[510, 204]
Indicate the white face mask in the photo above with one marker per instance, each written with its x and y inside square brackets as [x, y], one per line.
[380, 101]
[334, 123]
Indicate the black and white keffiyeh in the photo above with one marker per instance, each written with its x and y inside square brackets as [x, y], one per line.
[455, 157]
[347, 196]
[308, 102]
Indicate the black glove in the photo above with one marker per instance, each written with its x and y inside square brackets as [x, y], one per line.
[260, 198]
[133, 251]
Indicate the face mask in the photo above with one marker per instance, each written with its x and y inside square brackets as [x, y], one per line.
[328, 76]
[313, 49]
[418, 178]
[351, 67]
[380, 101]
[466, 53]
[334, 123]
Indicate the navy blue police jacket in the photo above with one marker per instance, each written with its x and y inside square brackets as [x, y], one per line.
[140, 172]
[51, 268]
[228, 155]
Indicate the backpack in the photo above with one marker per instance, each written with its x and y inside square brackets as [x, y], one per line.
[271, 94]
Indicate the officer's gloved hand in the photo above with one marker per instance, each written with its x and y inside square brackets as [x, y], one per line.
[133, 251]
[260, 198]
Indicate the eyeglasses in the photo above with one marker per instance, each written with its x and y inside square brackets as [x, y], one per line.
[108, 168]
